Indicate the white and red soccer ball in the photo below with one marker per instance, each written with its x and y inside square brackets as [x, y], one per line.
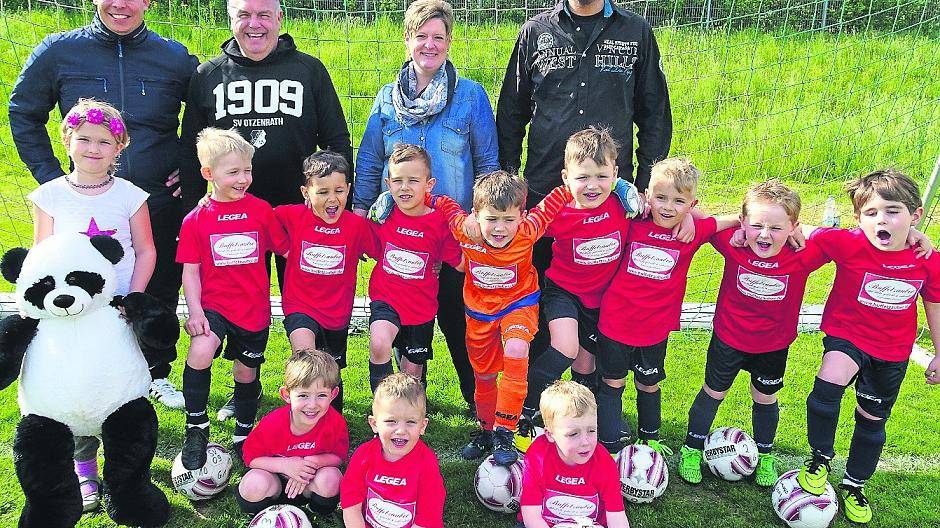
[499, 488]
[207, 481]
[643, 473]
[280, 516]
[799, 509]
[730, 453]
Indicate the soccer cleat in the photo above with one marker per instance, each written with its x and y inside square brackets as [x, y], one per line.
[525, 434]
[91, 493]
[226, 411]
[814, 475]
[481, 442]
[163, 391]
[856, 504]
[657, 446]
[237, 449]
[690, 464]
[504, 450]
[766, 474]
[194, 447]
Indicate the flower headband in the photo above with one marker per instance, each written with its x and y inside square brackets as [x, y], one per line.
[96, 117]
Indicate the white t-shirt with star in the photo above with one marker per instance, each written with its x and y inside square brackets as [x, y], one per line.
[108, 213]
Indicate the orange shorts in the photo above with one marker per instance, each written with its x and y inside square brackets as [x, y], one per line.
[485, 339]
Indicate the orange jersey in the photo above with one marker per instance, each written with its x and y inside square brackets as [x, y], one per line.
[498, 277]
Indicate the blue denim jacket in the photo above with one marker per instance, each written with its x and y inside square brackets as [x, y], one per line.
[461, 140]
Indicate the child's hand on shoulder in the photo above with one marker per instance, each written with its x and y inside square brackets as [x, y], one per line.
[933, 371]
[299, 468]
[197, 324]
[685, 230]
[921, 243]
[738, 238]
[797, 240]
[471, 229]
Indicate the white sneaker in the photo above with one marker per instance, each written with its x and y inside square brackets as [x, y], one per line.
[164, 392]
[227, 410]
[91, 494]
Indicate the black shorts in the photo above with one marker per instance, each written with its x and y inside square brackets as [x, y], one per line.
[558, 303]
[877, 382]
[412, 341]
[299, 501]
[724, 362]
[332, 342]
[615, 360]
[247, 347]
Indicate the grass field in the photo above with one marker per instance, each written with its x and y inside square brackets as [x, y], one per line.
[811, 108]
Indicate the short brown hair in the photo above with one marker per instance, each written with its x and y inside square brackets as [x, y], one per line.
[890, 184]
[109, 112]
[776, 193]
[566, 399]
[402, 386]
[323, 163]
[213, 143]
[420, 11]
[403, 152]
[593, 142]
[499, 190]
[308, 366]
[679, 172]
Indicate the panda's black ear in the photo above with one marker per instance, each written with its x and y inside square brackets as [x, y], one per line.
[12, 263]
[109, 247]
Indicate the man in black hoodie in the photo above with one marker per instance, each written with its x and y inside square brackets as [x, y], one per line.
[281, 100]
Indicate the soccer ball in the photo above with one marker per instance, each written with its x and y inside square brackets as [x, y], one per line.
[799, 509]
[499, 487]
[280, 516]
[643, 473]
[730, 453]
[580, 522]
[207, 481]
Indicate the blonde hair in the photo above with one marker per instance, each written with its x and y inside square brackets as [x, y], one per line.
[776, 193]
[81, 108]
[421, 11]
[565, 399]
[499, 190]
[213, 143]
[593, 142]
[403, 152]
[401, 386]
[677, 171]
[890, 184]
[308, 366]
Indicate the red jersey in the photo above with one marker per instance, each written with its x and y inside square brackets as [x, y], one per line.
[323, 262]
[565, 492]
[229, 241]
[272, 437]
[587, 249]
[497, 277]
[644, 301]
[398, 494]
[759, 300]
[873, 302]
[404, 277]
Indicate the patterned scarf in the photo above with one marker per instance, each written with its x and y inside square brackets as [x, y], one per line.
[413, 108]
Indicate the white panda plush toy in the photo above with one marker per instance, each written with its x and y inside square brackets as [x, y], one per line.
[81, 372]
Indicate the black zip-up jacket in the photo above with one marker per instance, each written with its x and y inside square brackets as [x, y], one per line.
[559, 89]
[285, 105]
[142, 74]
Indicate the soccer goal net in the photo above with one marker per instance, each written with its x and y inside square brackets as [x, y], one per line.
[814, 92]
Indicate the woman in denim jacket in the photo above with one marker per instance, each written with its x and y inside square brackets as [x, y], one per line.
[430, 105]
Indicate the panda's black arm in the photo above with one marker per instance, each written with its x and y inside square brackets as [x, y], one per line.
[154, 324]
[15, 334]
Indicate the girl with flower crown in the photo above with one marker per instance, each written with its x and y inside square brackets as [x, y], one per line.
[92, 201]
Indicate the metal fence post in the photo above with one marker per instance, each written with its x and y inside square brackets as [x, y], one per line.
[930, 193]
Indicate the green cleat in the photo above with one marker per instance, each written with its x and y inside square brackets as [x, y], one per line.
[766, 474]
[657, 446]
[814, 474]
[525, 434]
[856, 504]
[690, 464]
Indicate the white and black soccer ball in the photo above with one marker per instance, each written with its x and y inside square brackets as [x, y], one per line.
[730, 453]
[498, 487]
[643, 473]
[207, 481]
[280, 516]
[800, 509]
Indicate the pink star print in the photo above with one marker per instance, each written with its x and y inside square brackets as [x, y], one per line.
[93, 230]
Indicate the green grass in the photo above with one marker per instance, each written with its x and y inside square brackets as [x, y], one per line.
[903, 490]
